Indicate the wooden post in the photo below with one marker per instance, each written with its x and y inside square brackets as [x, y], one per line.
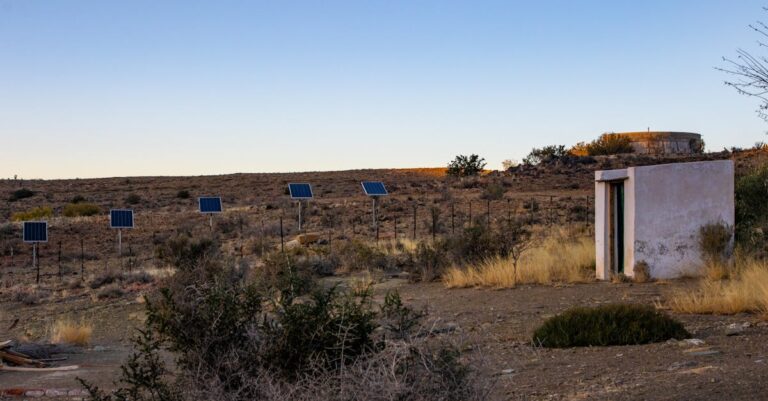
[282, 236]
[59, 260]
[489, 214]
[453, 224]
[35, 263]
[470, 213]
[82, 258]
[414, 222]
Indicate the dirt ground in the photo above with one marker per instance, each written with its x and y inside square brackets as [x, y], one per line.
[496, 326]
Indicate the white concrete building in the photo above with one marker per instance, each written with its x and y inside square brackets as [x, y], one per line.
[652, 214]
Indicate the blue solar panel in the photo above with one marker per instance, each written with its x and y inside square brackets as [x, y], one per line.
[121, 218]
[35, 231]
[300, 191]
[210, 205]
[374, 188]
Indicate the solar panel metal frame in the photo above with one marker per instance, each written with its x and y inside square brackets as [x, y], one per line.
[24, 231]
[308, 185]
[208, 198]
[112, 223]
[383, 187]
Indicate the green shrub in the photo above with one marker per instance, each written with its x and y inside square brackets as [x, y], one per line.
[751, 191]
[183, 194]
[618, 324]
[715, 241]
[185, 252]
[493, 191]
[609, 144]
[132, 199]
[81, 209]
[466, 166]
[38, 213]
[546, 153]
[77, 199]
[20, 194]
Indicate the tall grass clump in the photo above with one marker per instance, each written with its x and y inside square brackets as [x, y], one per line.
[618, 324]
[37, 213]
[557, 258]
[69, 332]
[745, 291]
[80, 209]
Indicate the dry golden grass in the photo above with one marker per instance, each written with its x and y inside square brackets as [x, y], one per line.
[746, 291]
[557, 259]
[68, 332]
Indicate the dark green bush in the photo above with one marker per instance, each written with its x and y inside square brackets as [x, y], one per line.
[20, 194]
[493, 191]
[183, 194]
[81, 209]
[715, 241]
[609, 144]
[466, 166]
[132, 199]
[618, 324]
[77, 199]
[751, 191]
[546, 153]
[185, 252]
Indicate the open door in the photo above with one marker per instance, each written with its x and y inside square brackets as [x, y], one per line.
[617, 227]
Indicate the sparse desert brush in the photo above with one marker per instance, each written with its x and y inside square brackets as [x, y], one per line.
[745, 291]
[41, 212]
[28, 295]
[81, 209]
[556, 259]
[67, 331]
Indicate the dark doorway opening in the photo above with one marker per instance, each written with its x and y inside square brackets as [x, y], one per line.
[617, 227]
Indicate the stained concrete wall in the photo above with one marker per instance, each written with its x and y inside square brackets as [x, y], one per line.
[665, 206]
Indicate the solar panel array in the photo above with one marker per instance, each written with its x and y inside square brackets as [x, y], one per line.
[300, 191]
[35, 231]
[374, 188]
[210, 205]
[121, 218]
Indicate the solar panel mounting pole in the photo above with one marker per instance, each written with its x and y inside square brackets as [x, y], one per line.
[299, 215]
[120, 243]
[35, 263]
[375, 216]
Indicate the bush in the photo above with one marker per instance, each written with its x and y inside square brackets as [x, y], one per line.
[546, 153]
[77, 199]
[132, 199]
[77, 209]
[618, 324]
[715, 241]
[183, 194]
[38, 213]
[185, 253]
[493, 191]
[466, 166]
[751, 190]
[606, 144]
[20, 194]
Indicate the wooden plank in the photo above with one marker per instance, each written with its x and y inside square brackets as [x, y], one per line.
[22, 369]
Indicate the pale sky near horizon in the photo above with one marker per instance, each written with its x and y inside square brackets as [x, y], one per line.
[131, 88]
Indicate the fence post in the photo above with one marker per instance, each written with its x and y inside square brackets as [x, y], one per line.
[414, 222]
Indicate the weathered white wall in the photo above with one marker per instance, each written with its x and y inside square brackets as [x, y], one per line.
[665, 205]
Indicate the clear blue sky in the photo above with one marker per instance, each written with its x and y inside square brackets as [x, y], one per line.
[115, 88]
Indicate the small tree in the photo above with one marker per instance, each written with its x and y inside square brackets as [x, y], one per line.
[508, 164]
[546, 153]
[750, 72]
[465, 166]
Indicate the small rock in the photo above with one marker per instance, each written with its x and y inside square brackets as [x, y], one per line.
[507, 371]
[680, 365]
[691, 342]
[735, 329]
